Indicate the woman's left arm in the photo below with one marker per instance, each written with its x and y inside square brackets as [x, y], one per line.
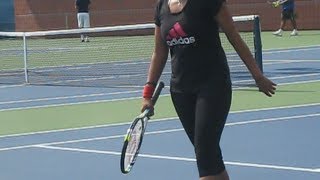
[225, 21]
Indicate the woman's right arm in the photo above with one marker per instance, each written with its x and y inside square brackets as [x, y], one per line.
[158, 61]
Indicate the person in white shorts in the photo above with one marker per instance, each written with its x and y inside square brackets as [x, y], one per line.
[83, 17]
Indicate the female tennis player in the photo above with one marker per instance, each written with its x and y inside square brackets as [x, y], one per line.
[200, 83]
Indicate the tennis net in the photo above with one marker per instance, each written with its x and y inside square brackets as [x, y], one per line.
[116, 56]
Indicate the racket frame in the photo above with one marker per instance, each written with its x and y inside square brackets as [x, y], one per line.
[126, 169]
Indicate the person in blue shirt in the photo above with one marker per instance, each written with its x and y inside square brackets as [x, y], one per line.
[288, 13]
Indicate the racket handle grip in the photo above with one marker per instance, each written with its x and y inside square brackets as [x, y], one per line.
[157, 92]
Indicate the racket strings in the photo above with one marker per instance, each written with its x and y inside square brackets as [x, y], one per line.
[133, 144]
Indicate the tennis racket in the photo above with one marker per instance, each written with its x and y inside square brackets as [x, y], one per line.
[133, 138]
[274, 3]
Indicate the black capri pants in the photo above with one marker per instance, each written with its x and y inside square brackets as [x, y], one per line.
[203, 115]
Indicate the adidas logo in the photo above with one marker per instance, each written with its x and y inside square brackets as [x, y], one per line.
[177, 36]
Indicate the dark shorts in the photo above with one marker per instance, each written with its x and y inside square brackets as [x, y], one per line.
[203, 115]
[288, 14]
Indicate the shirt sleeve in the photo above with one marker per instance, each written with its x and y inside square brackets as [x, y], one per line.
[157, 13]
[216, 5]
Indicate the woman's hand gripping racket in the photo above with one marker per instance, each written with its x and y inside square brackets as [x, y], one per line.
[134, 136]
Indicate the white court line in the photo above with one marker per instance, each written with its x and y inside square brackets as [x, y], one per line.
[83, 64]
[11, 86]
[67, 104]
[299, 47]
[279, 107]
[291, 61]
[273, 51]
[85, 140]
[287, 77]
[311, 81]
[67, 97]
[275, 62]
[272, 119]
[153, 121]
[297, 76]
[254, 165]
[288, 118]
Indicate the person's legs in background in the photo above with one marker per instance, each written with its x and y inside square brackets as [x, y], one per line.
[80, 24]
[86, 24]
[286, 15]
[282, 24]
[294, 24]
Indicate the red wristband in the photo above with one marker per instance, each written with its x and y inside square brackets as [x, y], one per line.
[148, 91]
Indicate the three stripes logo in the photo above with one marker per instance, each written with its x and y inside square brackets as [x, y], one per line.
[177, 36]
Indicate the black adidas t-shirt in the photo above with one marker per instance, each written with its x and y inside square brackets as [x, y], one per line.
[192, 35]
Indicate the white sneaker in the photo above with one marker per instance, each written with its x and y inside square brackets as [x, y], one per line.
[294, 33]
[82, 38]
[278, 33]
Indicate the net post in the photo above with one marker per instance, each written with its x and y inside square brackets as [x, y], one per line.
[25, 58]
[257, 42]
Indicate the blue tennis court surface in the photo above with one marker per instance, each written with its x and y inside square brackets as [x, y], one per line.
[262, 144]
[276, 143]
